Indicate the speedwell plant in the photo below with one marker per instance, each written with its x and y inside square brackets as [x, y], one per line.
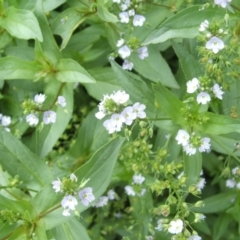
[119, 119]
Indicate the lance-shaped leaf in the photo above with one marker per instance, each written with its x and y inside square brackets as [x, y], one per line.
[105, 15]
[69, 70]
[21, 24]
[17, 159]
[180, 25]
[15, 68]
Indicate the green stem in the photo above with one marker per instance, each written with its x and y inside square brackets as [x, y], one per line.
[157, 4]
[47, 212]
[235, 7]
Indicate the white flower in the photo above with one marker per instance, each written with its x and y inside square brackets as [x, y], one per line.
[32, 119]
[124, 17]
[69, 202]
[159, 227]
[124, 51]
[203, 98]
[111, 195]
[57, 185]
[205, 145]
[131, 12]
[86, 196]
[217, 91]
[215, 44]
[138, 20]
[39, 98]
[143, 52]
[127, 65]
[203, 26]
[102, 111]
[117, 1]
[73, 177]
[222, 3]
[230, 183]
[193, 85]
[118, 215]
[120, 42]
[120, 97]
[129, 115]
[114, 124]
[6, 121]
[129, 190]
[125, 5]
[189, 149]
[102, 201]
[182, 137]
[195, 237]
[139, 108]
[175, 227]
[143, 191]
[66, 213]
[201, 184]
[138, 179]
[235, 170]
[61, 101]
[238, 185]
[49, 117]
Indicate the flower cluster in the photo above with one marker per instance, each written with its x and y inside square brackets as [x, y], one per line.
[192, 143]
[33, 108]
[5, 122]
[114, 105]
[103, 200]
[70, 187]
[135, 188]
[234, 181]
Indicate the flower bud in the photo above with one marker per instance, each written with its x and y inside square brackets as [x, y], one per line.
[199, 204]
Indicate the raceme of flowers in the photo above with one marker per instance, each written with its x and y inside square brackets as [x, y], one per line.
[5, 122]
[114, 105]
[135, 189]
[70, 187]
[204, 96]
[192, 143]
[33, 108]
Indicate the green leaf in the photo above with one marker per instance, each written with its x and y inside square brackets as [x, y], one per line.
[53, 4]
[216, 203]
[220, 226]
[18, 160]
[105, 15]
[15, 68]
[5, 38]
[192, 168]
[189, 64]
[21, 24]
[184, 24]
[69, 70]
[65, 24]
[154, 68]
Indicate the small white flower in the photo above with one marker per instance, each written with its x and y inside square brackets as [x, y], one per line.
[111, 195]
[139, 108]
[195, 237]
[39, 98]
[235, 170]
[129, 190]
[131, 12]
[217, 91]
[159, 227]
[203, 26]
[32, 119]
[203, 98]
[222, 3]
[124, 51]
[120, 42]
[102, 201]
[114, 124]
[69, 202]
[86, 196]
[215, 44]
[193, 85]
[143, 191]
[201, 184]
[230, 183]
[49, 117]
[120, 97]
[143, 52]
[118, 215]
[117, 1]
[124, 17]
[73, 177]
[138, 20]
[175, 227]
[182, 137]
[57, 185]
[6, 121]
[138, 179]
[129, 115]
[238, 185]
[189, 149]
[100, 115]
[205, 145]
[62, 101]
[66, 213]
[127, 65]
